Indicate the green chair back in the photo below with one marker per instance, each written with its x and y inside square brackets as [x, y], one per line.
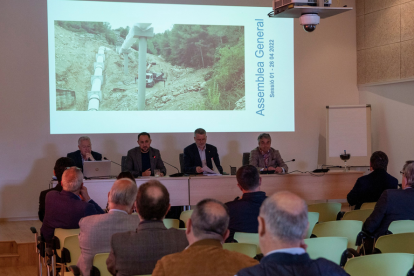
[368, 205]
[330, 248]
[313, 218]
[396, 243]
[251, 238]
[360, 215]
[328, 211]
[395, 264]
[99, 261]
[71, 243]
[401, 226]
[62, 234]
[340, 228]
[244, 248]
[171, 223]
[185, 215]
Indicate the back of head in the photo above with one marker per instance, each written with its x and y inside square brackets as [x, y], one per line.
[210, 219]
[248, 177]
[153, 200]
[72, 179]
[126, 174]
[408, 172]
[379, 160]
[123, 192]
[61, 165]
[286, 217]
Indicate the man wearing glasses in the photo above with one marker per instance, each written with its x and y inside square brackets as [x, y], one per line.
[84, 153]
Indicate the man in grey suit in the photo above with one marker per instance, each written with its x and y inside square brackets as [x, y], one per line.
[136, 253]
[143, 160]
[96, 231]
[266, 158]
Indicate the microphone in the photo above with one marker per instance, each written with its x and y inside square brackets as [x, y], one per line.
[293, 160]
[114, 162]
[178, 174]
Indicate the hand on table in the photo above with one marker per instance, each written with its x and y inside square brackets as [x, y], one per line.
[270, 169]
[83, 194]
[199, 170]
[278, 170]
[147, 173]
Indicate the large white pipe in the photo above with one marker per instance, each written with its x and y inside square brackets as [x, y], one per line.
[95, 94]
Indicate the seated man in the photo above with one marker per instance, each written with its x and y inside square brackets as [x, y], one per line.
[245, 210]
[200, 154]
[143, 160]
[60, 166]
[369, 188]
[137, 252]
[283, 223]
[206, 231]
[84, 153]
[266, 158]
[64, 209]
[393, 205]
[96, 231]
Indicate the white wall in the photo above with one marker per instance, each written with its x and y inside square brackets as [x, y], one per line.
[325, 74]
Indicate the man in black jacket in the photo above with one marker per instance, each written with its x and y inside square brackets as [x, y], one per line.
[200, 154]
[245, 210]
[283, 223]
[369, 188]
[60, 166]
[393, 205]
[84, 153]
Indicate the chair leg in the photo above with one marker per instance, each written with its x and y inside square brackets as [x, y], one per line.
[62, 269]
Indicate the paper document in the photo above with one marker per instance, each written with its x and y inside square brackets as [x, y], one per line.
[208, 171]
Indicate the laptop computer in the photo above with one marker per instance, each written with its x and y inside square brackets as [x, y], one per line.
[97, 169]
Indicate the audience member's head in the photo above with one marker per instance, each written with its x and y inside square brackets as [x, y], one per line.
[153, 201]
[248, 178]
[61, 165]
[283, 222]
[209, 220]
[408, 175]
[122, 194]
[126, 174]
[72, 180]
[379, 161]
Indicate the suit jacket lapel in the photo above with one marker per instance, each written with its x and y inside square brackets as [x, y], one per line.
[197, 156]
[139, 159]
[208, 157]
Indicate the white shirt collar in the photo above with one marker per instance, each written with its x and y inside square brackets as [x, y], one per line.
[117, 210]
[293, 251]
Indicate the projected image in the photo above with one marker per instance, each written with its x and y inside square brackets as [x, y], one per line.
[187, 67]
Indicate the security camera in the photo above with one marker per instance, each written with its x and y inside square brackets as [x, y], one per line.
[309, 21]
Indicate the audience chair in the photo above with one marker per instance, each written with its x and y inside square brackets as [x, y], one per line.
[330, 248]
[396, 243]
[341, 228]
[62, 248]
[40, 250]
[99, 267]
[368, 205]
[251, 238]
[360, 215]
[396, 264]
[401, 226]
[244, 248]
[171, 223]
[185, 215]
[313, 218]
[328, 211]
[246, 158]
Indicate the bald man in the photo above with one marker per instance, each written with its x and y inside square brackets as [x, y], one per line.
[206, 232]
[137, 252]
[96, 231]
[65, 208]
[283, 223]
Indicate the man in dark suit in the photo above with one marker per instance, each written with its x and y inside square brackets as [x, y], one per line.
[64, 209]
[393, 205]
[283, 223]
[199, 154]
[369, 188]
[245, 210]
[137, 252]
[266, 158]
[60, 166]
[84, 153]
[143, 160]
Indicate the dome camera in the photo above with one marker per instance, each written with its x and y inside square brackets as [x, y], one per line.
[309, 22]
